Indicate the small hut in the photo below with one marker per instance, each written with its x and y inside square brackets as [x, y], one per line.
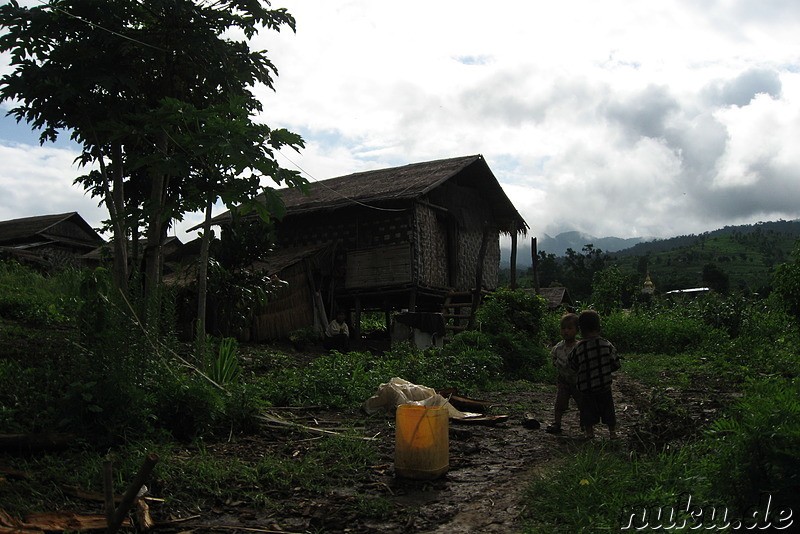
[398, 238]
[51, 240]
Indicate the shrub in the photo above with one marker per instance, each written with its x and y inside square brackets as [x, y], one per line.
[223, 366]
[513, 322]
[755, 451]
[36, 299]
[188, 406]
[467, 363]
[611, 290]
[663, 332]
[786, 283]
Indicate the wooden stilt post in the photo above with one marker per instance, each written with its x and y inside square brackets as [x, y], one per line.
[108, 491]
[476, 295]
[535, 264]
[513, 281]
[357, 320]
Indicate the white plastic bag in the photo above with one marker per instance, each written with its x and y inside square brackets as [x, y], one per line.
[398, 391]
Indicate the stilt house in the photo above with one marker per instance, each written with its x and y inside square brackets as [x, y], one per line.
[402, 238]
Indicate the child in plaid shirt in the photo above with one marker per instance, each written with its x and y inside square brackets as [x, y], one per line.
[594, 359]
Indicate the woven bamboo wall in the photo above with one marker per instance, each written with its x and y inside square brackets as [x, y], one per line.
[468, 249]
[473, 216]
[431, 247]
[355, 228]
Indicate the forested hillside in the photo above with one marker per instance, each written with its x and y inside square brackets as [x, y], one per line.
[734, 258]
[745, 258]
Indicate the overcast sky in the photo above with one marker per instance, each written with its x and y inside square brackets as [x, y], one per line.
[614, 118]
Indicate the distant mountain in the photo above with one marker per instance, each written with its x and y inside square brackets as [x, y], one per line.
[636, 246]
[559, 244]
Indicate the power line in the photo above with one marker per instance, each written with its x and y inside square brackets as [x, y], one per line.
[99, 27]
[322, 184]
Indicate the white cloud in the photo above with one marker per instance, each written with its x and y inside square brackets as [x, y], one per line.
[612, 118]
[37, 180]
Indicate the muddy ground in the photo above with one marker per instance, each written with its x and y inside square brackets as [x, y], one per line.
[490, 467]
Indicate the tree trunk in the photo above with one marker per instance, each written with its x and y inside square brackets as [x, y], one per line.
[202, 280]
[114, 199]
[35, 442]
[156, 232]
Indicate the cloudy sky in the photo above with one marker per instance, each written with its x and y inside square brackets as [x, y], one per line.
[614, 118]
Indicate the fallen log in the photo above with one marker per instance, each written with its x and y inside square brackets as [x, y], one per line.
[16, 530]
[465, 404]
[143, 519]
[276, 421]
[13, 473]
[20, 443]
[10, 525]
[67, 521]
[52, 522]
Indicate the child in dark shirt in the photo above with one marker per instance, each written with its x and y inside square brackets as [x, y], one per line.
[594, 359]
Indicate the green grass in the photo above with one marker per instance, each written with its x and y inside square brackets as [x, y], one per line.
[591, 491]
[664, 370]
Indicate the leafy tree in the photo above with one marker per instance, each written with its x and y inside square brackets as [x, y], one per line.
[158, 93]
[611, 290]
[549, 269]
[580, 268]
[513, 323]
[786, 283]
[716, 278]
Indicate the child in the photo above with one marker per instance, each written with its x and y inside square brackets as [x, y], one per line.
[565, 384]
[593, 360]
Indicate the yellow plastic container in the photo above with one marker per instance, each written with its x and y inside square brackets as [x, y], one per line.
[422, 442]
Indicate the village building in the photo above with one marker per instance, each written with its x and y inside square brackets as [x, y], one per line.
[415, 238]
[58, 240]
[557, 297]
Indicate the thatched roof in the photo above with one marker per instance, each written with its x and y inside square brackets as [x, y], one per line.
[171, 245]
[281, 258]
[388, 186]
[275, 261]
[555, 296]
[39, 230]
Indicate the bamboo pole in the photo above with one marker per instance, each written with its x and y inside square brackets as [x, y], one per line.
[108, 491]
[132, 492]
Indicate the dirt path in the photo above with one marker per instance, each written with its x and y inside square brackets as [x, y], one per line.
[490, 467]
